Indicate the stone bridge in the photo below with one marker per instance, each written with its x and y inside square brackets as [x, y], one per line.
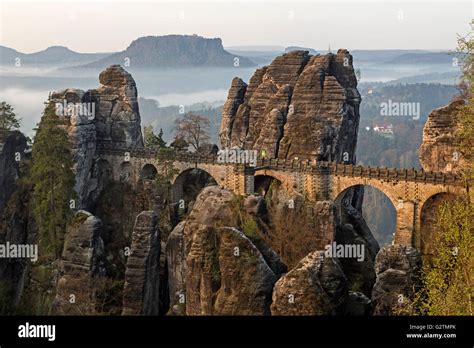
[409, 190]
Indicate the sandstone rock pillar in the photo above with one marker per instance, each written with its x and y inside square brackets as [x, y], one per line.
[81, 259]
[141, 288]
[406, 211]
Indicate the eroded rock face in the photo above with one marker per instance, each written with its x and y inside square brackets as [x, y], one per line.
[298, 106]
[108, 114]
[357, 304]
[118, 118]
[12, 145]
[176, 261]
[142, 275]
[439, 151]
[315, 286]
[82, 259]
[398, 269]
[226, 273]
[351, 229]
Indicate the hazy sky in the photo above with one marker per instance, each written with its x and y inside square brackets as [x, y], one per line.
[103, 26]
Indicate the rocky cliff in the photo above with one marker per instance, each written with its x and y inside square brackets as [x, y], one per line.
[439, 151]
[298, 106]
[225, 272]
[106, 115]
[12, 151]
[17, 224]
[82, 260]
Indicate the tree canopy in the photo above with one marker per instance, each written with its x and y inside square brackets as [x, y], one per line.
[193, 129]
[53, 182]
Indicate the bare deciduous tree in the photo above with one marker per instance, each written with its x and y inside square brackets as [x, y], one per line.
[193, 128]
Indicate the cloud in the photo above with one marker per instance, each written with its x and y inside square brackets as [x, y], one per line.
[28, 105]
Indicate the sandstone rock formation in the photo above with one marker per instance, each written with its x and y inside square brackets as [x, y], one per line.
[316, 286]
[176, 261]
[398, 269]
[357, 304]
[298, 106]
[12, 147]
[82, 259]
[226, 273]
[439, 151]
[352, 229]
[106, 115]
[141, 288]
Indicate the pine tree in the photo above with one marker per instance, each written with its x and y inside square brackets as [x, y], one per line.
[8, 120]
[153, 141]
[159, 139]
[53, 182]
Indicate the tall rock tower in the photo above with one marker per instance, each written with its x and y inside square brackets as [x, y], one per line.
[299, 106]
[106, 115]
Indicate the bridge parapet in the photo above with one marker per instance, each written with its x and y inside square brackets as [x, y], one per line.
[297, 166]
[343, 169]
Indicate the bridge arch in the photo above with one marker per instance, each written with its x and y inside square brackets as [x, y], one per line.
[148, 172]
[344, 183]
[103, 170]
[126, 172]
[424, 236]
[263, 183]
[285, 179]
[187, 184]
[375, 204]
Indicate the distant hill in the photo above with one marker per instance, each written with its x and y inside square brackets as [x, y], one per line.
[174, 51]
[447, 78]
[258, 48]
[423, 58]
[259, 57]
[54, 55]
[380, 56]
[164, 116]
[429, 96]
[297, 48]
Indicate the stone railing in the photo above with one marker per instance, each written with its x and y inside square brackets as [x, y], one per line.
[312, 166]
[343, 169]
[140, 152]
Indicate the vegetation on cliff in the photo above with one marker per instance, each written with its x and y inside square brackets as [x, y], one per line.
[8, 119]
[54, 181]
[447, 282]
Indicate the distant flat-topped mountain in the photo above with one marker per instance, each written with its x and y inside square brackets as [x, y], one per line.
[54, 55]
[174, 51]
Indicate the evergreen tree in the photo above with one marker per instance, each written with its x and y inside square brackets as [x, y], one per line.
[153, 141]
[8, 120]
[53, 182]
